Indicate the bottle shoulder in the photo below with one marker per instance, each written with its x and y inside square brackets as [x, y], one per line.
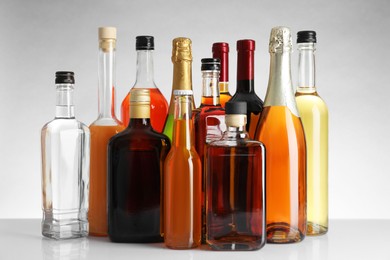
[236, 142]
[106, 122]
[310, 102]
[65, 124]
[140, 135]
[254, 102]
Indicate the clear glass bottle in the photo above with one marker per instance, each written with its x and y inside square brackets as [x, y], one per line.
[280, 130]
[102, 129]
[182, 180]
[235, 186]
[145, 80]
[65, 167]
[221, 51]
[314, 115]
[182, 76]
[135, 160]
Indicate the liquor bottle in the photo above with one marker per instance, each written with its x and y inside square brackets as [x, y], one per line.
[145, 80]
[235, 186]
[246, 84]
[209, 119]
[182, 180]
[182, 76]
[65, 167]
[280, 129]
[314, 114]
[135, 160]
[106, 126]
[221, 51]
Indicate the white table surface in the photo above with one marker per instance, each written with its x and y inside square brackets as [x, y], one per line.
[346, 240]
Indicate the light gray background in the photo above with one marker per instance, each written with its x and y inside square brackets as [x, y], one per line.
[40, 37]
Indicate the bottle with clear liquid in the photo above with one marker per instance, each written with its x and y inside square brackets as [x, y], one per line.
[314, 115]
[102, 129]
[65, 167]
[221, 51]
[182, 76]
[182, 180]
[235, 186]
[280, 130]
[145, 80]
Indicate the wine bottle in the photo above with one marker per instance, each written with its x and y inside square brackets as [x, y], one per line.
[221, 51]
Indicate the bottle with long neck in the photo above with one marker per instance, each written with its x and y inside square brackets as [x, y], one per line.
[314, 114]
[280, 129]
[105, 127]
[182, 180]
[65, 167]
[209, 119]
[235, 186]
[221, 51]
[182, 76]
[246, 84]
[145, 80]
[135, 159]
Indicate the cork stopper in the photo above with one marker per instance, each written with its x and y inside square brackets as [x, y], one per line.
[140, 103]
[181, 49]
[107, 33]
[280, 40]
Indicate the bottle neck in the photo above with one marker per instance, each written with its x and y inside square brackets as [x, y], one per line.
[139, 123]
[107, 81]
[210, 89]
[236, 125]
[245, 71]
[64, 104]
[145, 69]
[306, 68]
[182, 79]
[183, 125]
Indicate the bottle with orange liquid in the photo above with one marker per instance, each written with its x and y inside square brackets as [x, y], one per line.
[105, 126]
[280, 129]
[182, 180]
[145, 79]
[221, 51]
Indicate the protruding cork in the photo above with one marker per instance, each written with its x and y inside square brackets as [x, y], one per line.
[139, 103]
[181, 49]
[280, 40]
[107, 33]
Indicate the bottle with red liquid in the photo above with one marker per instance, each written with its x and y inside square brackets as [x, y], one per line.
[145, 80]
[246, 84]
[221, 51]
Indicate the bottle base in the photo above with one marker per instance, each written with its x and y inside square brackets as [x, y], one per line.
[314, 229]
[283, 233]
[136, 239]
[237, 242]
[65, 225]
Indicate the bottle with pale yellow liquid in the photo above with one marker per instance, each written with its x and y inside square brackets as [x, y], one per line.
[314, 115]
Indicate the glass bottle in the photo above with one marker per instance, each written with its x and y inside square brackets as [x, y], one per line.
[314, 114]
[280, 129]
[221, 51]
[102, 129]
[182, 76]
[235, 186]
[246, 84]
[182, 180]
[145, 80]
[135, 160]
[209, 119]
[65, 167]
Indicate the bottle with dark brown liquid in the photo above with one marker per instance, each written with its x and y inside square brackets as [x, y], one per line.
[135, 161]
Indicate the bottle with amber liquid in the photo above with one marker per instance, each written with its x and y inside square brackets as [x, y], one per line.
[246, 84]
[280, 129]
[182, 76]
[314, 114]
[182, 180]
[235, 186]
[209, 119]
[221, 52]
[105, 127]
[135, 160]
[145, 80]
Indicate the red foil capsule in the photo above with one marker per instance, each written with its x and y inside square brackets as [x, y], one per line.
[245, 59]
[221, 51]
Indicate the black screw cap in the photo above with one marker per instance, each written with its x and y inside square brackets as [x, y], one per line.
[144, 42]
[235, 108]
[211, 64]
[306, 36]
[64, 77]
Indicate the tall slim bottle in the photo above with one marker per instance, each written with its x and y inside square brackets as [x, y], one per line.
[135, 164]
[280, 129]
[246, 84]
[145, 80]
[65, 167]
[221, 52]
[314, 114]
[182, 180]
[182, 76]
[102, 129]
